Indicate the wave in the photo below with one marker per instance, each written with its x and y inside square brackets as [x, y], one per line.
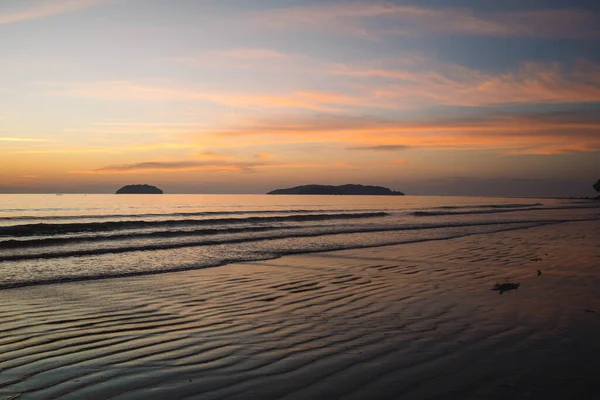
[265, 256]
[54, 241]
[166, 215]
[257, 238]
[495, 211]
[515, 205]
[53, 229]
[442, 213]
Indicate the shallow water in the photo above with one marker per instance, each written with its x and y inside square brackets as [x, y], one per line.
[49, 238]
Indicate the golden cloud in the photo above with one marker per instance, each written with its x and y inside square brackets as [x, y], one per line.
[175, 166]
[553, 132]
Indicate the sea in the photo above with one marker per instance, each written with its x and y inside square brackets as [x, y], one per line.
[57, 238]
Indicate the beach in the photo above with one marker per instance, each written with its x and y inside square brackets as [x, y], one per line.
[299, 200]
[411, 321]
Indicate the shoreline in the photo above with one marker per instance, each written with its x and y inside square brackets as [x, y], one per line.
[274, 257]
[410, 321]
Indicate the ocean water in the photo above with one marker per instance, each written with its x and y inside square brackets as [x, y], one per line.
[55, 238]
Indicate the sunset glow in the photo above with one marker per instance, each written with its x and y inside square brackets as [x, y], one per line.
[240, 96]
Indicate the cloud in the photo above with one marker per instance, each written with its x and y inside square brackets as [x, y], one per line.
[18, 139]
[68, 151]
[408, 82]
[264, 156]
[128, 91]
[421, 82]
[560, 149]
[245, 53]
[265, 59]
[395, 147]
[154, 166]
[400, 162]
[413, 81]
[377, 19]
[59, 148]
[211, 155]
[138, 128]
[46, 8]
[192, 165]
[165, 146]
[552, 132]
[344, 165]
[238, 54]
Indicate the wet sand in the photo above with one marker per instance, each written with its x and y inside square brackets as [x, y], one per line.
[416, 321]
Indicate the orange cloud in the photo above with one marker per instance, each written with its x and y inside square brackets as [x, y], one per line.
[138, 128]
[400, 83]
[566, 131]
[174, 166]
[393, 147]
[400, 161]
[210, 155]
[165, 146]
[162, 166]
[127, 91]
[561, 149]
[46, 9]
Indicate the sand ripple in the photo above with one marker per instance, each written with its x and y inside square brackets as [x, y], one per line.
[411, 321]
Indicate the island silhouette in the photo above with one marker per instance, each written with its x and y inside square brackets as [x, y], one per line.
[139, 189]
[349, 189]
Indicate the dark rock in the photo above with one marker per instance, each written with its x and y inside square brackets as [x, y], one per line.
[361, 190]
[139, 189]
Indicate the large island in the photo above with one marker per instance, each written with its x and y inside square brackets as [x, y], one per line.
[139, 189]
[361, 190]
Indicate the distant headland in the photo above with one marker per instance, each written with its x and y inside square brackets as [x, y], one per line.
[361, 190]
[139, 189]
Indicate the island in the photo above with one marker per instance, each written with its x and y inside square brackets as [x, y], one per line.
[139, 189]
[360, 190]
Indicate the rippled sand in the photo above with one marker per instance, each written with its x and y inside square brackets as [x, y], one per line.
[412, 321]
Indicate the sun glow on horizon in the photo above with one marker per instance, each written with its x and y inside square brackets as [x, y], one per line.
[251, 97]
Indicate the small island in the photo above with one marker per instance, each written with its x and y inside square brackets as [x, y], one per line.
[139, 189]
[360, 190]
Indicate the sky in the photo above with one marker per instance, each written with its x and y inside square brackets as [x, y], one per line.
[429, 97]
